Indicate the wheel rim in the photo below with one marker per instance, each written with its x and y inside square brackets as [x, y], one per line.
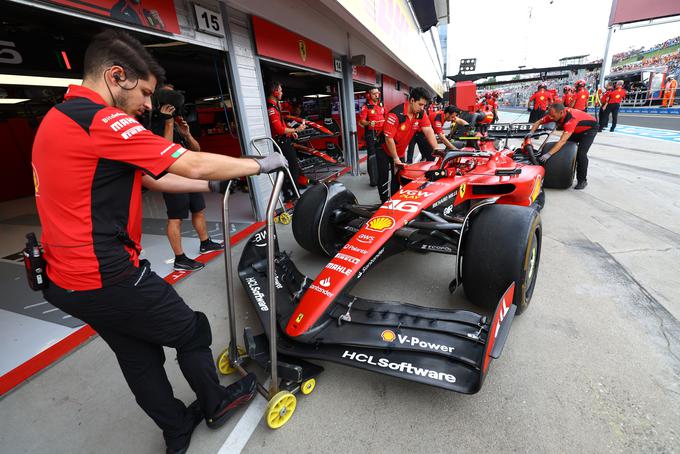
[281, 409]
[308, 386]
[532, 266]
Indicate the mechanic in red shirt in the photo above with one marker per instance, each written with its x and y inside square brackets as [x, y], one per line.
[401, 124]
[437, 120]
[372, 118]
[541, 100]
[284, 136]
[567, 95]
[599, 101]
[581, 96]
[611, 105]
[91, 158]
[577, 126]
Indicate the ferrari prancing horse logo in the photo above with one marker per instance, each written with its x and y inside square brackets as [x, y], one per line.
[303, 50]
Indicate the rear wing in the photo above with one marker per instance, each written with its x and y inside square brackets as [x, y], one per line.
[516, 130]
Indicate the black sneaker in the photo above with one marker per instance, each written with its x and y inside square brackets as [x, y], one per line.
[210, 246]
[581, 185]
[237, 394]
[181, 445]
[184, 263]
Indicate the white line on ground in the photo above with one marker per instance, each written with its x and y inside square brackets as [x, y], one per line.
[50, 310]
[239, 436]
[35, 305]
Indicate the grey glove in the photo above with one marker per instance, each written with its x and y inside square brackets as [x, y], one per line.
[218, 186]
[271, 163]
[528, 136]
[544, 158]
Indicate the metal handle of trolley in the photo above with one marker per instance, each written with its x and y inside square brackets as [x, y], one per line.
[234, 356]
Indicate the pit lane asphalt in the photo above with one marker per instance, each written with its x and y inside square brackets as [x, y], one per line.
[592, 366]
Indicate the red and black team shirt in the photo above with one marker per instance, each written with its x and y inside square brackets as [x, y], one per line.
[401, 128]
[372, 112]
[581, 99]
[574, 121]
[616, 96]
[437, 121]
[541, 99]
[88, 161]
[278, 125]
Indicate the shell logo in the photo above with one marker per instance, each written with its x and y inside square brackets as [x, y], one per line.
[380, 223]
[403, 127]
[373, 112]
[542, 98]
[388, 335]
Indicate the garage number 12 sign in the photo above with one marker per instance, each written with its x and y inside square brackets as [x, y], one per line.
[208, 21]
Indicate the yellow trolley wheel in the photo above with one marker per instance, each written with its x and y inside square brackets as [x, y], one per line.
[223, 364]
[280, 409]
[285, 218]
[308, 386]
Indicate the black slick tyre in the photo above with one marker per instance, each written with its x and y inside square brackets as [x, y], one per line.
[501, 246]
[560, 169]
[314, 217]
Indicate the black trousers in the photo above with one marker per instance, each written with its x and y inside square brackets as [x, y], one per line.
[423, 146]
[612, 109]
[535, 115]
[583, 140]
[136, 318]
[602, 119]
[371, 164]
[388, 183]
[286, 144]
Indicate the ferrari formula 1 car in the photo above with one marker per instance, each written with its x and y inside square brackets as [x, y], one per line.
[476, 206]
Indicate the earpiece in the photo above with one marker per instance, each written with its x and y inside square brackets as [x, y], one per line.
[116, 76]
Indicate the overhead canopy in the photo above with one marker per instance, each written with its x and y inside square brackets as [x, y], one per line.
[512, 72]
[626, 11]
[426, 14]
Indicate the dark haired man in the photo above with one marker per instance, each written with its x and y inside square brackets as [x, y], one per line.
[283, 134]
[89, 202]
[169, 123]
[372, 118]
[579, 127]
[401, 124]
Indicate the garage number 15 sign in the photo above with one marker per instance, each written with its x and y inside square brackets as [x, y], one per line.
[208, 21]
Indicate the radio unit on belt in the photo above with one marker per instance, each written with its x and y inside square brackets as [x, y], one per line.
[35, 264]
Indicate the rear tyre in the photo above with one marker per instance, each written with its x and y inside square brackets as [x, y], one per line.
[502, 245]
[561, 167]
[315, 215]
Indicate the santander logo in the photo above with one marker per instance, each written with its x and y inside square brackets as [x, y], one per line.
[326, 282]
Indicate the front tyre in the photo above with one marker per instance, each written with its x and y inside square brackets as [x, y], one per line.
[501, 246]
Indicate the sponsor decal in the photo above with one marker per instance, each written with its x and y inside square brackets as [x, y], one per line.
[371, 262]
[542, 98]
[408, 368]
[373, 112]
[349, 247]
[260, 239]
[255, 289]
[351, 228]
[461, 190]
[339, 268]
[123, 122]
[347, 258]
[415, 342]
[414, 194]
[388, 335]
[363, 238]
[448, 210]
[137, 129]
[321, 290]
[326, 282]
[434, 247]
[178, 153]
[380, 223]
[299, 318]
[112, 116]
[505, 307]
[402, 205]
[444, 199]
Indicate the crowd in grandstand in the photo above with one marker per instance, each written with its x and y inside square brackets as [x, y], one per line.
[672, 61]
[629, 53]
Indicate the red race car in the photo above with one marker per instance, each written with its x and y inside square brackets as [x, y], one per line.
[478, 205]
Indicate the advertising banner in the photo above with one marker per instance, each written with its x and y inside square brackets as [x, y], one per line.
[281, 44]
[157, 14]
